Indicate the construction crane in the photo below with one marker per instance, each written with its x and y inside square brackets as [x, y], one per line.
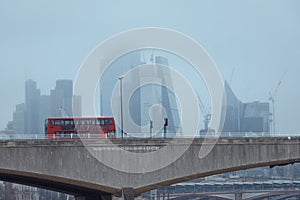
[62, 111]
[272, 100]
[206, 115]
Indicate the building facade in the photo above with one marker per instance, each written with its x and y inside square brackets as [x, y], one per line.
[255, 117]
[29, 117]
[242, 118]
[32, 97]
[232, 107]
[142, 100]
[19, 118]
[62, 98]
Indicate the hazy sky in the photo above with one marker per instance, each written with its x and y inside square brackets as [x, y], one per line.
[252, 42]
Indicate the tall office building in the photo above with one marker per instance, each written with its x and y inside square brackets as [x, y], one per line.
[111, 77]
[32, 97]
[151, 104]
[245, 117]
[255, 117]
[61, 98]
[29, 117]
[143, 98]
[232, 117]
[159, 94]
[77, 105]
[19, 118]
[44, 111]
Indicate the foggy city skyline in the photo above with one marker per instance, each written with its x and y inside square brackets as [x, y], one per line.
[141, 100]
[253, 44]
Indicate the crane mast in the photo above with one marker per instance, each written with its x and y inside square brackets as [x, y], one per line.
[62, 111]
[206, 115]
[272, 100]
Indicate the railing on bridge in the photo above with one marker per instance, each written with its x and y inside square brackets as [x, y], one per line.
[42, 136]
[13, 136]
[224, 187]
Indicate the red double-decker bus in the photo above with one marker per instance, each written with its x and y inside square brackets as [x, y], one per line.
[86, 127]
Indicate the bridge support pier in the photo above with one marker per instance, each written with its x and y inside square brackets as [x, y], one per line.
[128, 193]
[94, 197]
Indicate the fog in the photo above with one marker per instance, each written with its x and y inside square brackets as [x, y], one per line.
[255, 44]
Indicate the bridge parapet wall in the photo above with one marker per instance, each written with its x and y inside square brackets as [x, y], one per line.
[67, 165]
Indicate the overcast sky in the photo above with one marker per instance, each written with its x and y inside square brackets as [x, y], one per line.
[252, 42]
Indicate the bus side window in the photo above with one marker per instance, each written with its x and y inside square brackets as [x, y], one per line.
[52, 122]
[108, 121]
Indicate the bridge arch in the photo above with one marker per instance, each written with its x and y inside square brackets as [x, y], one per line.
[210, 173]
[55, 183]
[69, 162]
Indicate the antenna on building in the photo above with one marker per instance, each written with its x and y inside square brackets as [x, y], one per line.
[272, 100]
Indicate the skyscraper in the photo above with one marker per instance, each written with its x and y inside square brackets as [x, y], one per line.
[169, 99]
[232, 117]
[32, 97]
[144, 97]
[77, 105]
[19, 118]
[29, 117]
[245, 117]
[255, 117]
[111, 78]
[44, 111]
[61, 98]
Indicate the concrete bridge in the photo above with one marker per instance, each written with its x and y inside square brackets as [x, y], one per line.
[68, 166]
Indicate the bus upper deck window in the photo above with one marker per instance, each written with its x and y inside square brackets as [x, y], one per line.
[68, 122]
[108, 121]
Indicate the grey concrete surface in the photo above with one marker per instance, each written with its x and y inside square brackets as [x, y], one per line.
[67, 166]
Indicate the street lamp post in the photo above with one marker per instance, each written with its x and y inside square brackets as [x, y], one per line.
[151, 127]
[165, 127]
[121, 105]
